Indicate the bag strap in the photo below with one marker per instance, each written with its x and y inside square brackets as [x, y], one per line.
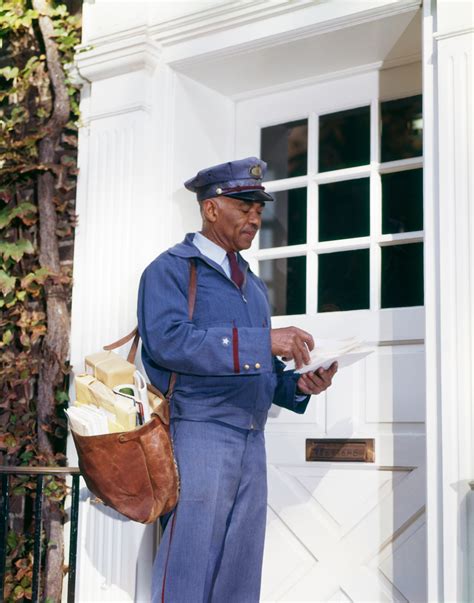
[120, 342]
[192, 289]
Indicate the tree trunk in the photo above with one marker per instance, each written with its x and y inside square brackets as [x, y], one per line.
[56, 341]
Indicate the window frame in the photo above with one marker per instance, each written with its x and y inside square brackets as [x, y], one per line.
[374, 171]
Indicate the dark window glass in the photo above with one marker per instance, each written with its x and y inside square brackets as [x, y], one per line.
[344, 139]
[402, 201]
[402, 128]
[402, 275]
[285, 149]
[344, 209]
[343, 281]
[286, 282]
[284, 221]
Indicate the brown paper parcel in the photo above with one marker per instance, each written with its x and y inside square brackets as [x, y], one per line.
[109, 368]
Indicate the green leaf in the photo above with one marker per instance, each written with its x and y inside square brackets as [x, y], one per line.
[12, 540]
[38, 276]
[18, 592]
[16, 250]
[7, 337]
[22, 210]
[61, 396]
[26, 456]
[7, 282]
[9, 73]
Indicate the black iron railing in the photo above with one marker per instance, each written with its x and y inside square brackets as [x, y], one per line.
[39, 473]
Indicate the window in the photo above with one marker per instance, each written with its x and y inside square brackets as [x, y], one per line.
[346, 230]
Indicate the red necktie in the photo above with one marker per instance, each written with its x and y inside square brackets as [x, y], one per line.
[236, 273]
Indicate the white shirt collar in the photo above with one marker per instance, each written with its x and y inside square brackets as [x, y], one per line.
[210, 249]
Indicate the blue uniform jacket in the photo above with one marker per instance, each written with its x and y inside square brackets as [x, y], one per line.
[226, 371]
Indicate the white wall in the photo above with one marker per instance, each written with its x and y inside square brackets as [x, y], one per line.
[203, 134]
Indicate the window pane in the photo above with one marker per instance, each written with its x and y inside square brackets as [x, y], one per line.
[285, 149]
[343, 281]
[402, 275]
[402, 201]
[402, 128]
[284, 221]
[286, 282]
[344, 139]
[344, 209]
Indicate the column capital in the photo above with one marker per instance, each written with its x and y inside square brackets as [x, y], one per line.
[117, 55]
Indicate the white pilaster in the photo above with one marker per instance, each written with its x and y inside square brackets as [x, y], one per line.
[117, 212]
[454, 43]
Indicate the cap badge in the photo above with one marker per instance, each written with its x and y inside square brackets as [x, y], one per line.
[256, 171]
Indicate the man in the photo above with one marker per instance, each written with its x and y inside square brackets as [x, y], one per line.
[227, 378]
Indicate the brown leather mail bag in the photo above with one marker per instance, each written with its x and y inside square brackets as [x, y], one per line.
[135, 472]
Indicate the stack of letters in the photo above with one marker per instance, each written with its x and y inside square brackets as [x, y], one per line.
[326, 351]
[111, 396]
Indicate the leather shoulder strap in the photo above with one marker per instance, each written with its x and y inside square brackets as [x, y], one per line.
[192, 288]
[133, 348]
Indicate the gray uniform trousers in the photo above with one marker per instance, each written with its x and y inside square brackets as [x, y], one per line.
[216, 550]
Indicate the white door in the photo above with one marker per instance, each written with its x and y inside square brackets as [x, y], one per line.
[342, 253]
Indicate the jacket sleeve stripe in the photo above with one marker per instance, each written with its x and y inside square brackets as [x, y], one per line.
[235, 349]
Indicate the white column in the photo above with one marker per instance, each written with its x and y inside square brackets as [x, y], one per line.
[118, 226]
[454, 41]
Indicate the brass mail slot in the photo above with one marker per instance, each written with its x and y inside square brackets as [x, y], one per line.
[355, 451]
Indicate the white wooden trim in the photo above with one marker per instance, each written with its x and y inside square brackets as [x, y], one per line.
[449, 283]
[309, 81]
[452, 34]
[179, 41]
[397, 237]
[401, 165]
[117, 57]
[322, 19]
[235, 13]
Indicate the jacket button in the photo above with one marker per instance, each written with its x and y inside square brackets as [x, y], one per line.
[247, 367]
[257, 365]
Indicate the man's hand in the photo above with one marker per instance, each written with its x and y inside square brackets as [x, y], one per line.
[292, 343]
[317, 382]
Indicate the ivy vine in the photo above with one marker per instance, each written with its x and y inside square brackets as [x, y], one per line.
[27, 104]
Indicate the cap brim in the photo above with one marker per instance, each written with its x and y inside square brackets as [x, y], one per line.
[256, 195]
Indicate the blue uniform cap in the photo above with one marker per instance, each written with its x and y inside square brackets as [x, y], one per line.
[241, 179]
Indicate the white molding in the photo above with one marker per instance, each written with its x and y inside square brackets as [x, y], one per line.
[236, 13]
[453, 34]
[308, 81]
[142, 47]
[401, 61]
[120, 111]
[117, 57]
[220, 18]
[292, 35]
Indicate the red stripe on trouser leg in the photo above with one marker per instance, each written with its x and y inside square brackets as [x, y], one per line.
[167, 557]
[235, 349]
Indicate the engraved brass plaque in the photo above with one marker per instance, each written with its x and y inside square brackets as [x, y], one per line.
[347, 450]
